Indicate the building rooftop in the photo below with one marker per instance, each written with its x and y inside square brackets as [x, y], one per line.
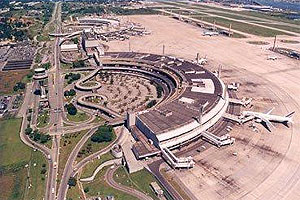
[203, 90]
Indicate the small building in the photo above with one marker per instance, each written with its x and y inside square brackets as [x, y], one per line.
[40, 74]
[69, 47]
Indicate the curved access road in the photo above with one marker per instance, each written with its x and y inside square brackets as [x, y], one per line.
[63, 187]
[112, 183]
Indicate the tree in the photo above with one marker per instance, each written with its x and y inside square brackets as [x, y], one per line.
[75, 40]
[44, 138]
[86, 189]
[103, 134]
[72, 182]
[72, 110]
[151, 103]
[72, 92]
[43, 171]
[78, 64]
[36, 136]
[28, 131]
[66, 93]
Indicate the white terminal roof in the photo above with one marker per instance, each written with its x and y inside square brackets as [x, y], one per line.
[187, 100]
[208, 88]
[40, 69]
[69, 47]
[92, 43]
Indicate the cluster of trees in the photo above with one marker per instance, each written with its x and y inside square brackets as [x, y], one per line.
[36, 136]
[159, 91]
[46, 65]
[75, 40]
[72, 110]
[10, 30]
[78, 64]
[151, 103]
[101, 9]
[71, 77]
[19, 86]
[72, 181]
[69, 93]
[103, 134]
[139, 11]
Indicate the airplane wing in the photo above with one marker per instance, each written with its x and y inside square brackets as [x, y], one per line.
[268, 124]
[269, 111]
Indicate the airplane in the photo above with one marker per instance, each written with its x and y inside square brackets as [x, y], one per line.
[266, 118]
[272, 58]
[210, 33]
[202, 61]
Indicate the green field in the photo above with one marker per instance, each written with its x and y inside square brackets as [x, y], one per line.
[138, 180]
[68, 142]
[283, 27]
[43, 119]
[242, 15]
[14, 155]
[240, 26]
[100, 188]
[89, 169]
[266, 16]
[79, 117]
[37, 176]
[91, 147]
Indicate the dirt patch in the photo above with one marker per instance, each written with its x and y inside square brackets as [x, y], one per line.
[9, 79]
[7, 183]
[258, 42]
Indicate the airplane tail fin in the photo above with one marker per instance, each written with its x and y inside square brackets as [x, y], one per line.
[290, 115]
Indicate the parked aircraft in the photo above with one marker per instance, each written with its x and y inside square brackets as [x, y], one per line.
[210, 33]
[267, 118]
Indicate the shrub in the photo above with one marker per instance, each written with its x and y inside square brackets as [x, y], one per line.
[103, 134]
[72, 182]
[72, 110]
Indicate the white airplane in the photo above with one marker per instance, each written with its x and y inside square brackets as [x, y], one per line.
[210, 33]
[202, 61]
[267, 118]
[272, 58]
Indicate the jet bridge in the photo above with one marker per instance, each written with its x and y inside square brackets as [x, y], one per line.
[216, 140]
[175, 162]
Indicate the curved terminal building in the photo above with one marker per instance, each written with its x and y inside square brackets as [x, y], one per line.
[194, 99]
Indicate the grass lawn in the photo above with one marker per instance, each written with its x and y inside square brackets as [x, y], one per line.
[98, 119]
[37, 177]
[258, 42]
[14, 155]
[271, 16]
[68, 142]
[91, 147]
[43, 119]
[283, 27]
[89, 169]
[74, 193]
[243, 27]
[79, 117]
[65, 66]
[100, 188]
[13, 185]
[139, 180]
[9, 80]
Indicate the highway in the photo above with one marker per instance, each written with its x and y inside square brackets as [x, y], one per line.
[55, 88]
